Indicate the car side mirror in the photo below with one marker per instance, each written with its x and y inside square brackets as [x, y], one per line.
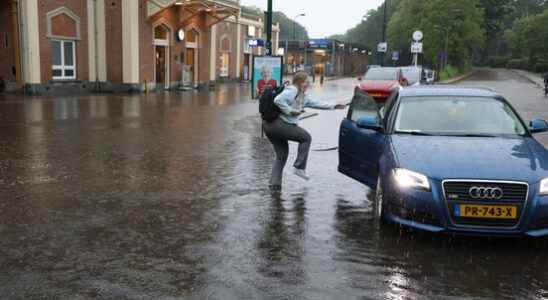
[370, 123]
[360, 78]
[538, 125]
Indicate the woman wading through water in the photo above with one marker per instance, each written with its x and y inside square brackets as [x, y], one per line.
[286, 128]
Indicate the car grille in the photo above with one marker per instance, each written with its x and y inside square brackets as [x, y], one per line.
[457, 192]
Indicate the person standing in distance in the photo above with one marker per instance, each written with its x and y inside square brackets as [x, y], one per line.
[546, 84]
[286, 128]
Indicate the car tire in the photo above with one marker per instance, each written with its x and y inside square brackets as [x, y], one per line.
[378, 207]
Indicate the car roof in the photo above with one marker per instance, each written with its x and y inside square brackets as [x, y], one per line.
[447, 90]
[386, 68]
[410, 68]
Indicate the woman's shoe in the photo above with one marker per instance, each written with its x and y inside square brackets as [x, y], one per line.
[301, 173]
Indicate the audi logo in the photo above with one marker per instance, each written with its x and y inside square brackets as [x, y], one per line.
[486, 193]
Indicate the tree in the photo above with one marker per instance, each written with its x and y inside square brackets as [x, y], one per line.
[461, 20]
[286, 27]
[409, 17]
[496, 20]
[529, 40]
[369, 31]
[286, 24]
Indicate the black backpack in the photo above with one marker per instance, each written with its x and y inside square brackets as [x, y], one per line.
[268, 109]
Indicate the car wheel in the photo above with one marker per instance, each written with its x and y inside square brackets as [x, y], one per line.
[378, 209]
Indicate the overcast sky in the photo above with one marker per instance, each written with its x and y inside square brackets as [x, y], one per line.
[323, 17]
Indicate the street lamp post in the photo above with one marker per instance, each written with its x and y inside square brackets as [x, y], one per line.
[295, 25]
[383, 31]
[269, 28]
[295, 35]
[446, 54]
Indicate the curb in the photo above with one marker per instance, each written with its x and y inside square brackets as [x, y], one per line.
[524, 75]
[459, 78]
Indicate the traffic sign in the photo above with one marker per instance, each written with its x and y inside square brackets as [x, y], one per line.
[395, 56]
[256, 43]
[417, 36]
[382, 47]
[416, 47]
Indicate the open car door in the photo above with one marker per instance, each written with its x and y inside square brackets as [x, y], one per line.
[360, 147]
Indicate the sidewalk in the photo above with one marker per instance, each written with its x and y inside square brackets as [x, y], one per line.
[535, 78]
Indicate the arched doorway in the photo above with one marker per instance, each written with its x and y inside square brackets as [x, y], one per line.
[192, 41]
[161, 56]
[225, 57]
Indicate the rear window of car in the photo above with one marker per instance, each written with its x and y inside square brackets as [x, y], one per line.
[381, 74]
[412, 75]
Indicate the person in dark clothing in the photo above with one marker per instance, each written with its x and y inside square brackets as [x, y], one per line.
[546, 83]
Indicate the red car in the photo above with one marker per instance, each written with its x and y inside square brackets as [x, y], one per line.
[380, 82]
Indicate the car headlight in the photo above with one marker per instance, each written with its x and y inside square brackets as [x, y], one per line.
[544, 187]
[409, 179]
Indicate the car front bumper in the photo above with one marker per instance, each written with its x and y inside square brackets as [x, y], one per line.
[428, 210]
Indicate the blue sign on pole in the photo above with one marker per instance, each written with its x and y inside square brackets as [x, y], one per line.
[256, 43]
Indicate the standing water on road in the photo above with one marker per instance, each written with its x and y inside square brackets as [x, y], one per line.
[165, 196]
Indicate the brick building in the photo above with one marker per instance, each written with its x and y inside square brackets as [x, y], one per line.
[125, 45]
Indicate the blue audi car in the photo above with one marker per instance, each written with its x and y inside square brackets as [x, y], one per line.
[446, 159]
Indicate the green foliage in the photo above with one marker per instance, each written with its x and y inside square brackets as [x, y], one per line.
[528, 38]
[449, 72]
[287, 31]
[485, 32]
[497, 61]
[462, 20]
[369, 31]
[518, 63]
[541, 67]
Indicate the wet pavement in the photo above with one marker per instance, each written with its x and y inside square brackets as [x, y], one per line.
[164, 196]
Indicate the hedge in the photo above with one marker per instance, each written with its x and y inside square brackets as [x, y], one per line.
[518, 63]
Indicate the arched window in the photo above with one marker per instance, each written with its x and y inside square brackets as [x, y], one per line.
[63, 29]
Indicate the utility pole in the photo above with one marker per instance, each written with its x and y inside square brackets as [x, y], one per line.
[295, 36]
[295, 25]
[269, 29]
[446, 54]
[383, 31]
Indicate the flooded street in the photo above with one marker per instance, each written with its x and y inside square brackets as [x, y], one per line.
[165, 196]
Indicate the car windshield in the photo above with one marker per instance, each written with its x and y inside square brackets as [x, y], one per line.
[381, 74]
[463, 116]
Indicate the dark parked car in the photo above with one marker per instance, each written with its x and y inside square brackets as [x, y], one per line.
[445, 159]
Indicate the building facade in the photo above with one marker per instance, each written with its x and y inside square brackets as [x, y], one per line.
[125, 45]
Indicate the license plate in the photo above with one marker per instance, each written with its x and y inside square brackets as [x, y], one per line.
[486, 211]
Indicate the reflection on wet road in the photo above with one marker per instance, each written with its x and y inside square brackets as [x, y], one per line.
[164, 196]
